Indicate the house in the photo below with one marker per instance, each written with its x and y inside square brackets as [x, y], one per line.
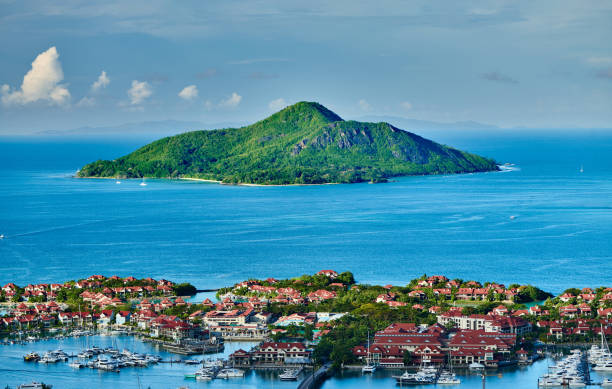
[278, 352]
[328, 273]
[233, 317]
[321, 295]
[106, 317]
[122, 317]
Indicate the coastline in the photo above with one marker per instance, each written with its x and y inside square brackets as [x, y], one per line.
[206, 180]
[281, 185]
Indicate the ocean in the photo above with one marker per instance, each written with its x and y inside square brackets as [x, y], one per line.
[544, 223]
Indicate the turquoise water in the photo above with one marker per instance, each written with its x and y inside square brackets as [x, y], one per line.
[58, 227]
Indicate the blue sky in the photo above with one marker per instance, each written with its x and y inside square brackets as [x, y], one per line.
[538, 64]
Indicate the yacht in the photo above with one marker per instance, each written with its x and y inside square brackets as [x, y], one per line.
[77, 364]
[289, 375]
[48, 358]
[603, 365]
[607, 383]
[230, 373]
[369, 367]
[475, 366]
[448, 379]
[204, 375]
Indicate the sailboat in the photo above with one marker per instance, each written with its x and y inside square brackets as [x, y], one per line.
[117, 180]
[581, 169]
[369, 367]
[143, 183]
[448, 377]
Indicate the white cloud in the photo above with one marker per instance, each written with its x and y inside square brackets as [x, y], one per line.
[232, 101]
[41, 82]
[278, 104]
[86, 102]
[189, 92]
[139, 92]
[407, 105]
[101, 82]
[364, 105]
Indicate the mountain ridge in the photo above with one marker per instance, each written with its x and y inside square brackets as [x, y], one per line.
[304, 143]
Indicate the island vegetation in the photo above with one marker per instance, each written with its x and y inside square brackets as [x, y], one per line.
[302, 144]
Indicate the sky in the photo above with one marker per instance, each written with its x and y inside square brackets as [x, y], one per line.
[535, 64]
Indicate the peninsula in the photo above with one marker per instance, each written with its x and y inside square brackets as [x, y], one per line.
[305, 143]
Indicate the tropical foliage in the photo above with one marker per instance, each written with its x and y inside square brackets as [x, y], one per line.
[303, 144]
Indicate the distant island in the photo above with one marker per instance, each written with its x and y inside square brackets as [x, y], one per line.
[305, 143]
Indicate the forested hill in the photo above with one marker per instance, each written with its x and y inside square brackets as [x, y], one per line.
[302, 144]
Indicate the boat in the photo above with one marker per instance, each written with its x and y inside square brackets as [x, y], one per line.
[607, 383]
[230, 373]
[31, 357]
[143, 183]
[475, 366]
[48, 358]
[191, 362]
[369, 367]
[77, 364]
[289, 375]
[448, 378]
[204, 375]
[34, 385]
[603, 365]
[1, 236]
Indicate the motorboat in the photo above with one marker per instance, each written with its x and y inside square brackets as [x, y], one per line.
[475, 366]
[289, 375]
[77, 364]
[31, 357]
[448, 378]
[34, 385]
[230, 373]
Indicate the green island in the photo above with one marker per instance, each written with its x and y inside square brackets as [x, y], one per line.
[305, 143]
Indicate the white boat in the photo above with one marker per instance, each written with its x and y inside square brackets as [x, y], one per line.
[204, 375]
[48, 358]
[606, 383]
[1, 236]
[369, 366]
[450, 379]
[230, 373]
[143, 183]
[603, 365]
[447, 377]
[475, 366]
[289, 375]
[77, 364]
[34, 385]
